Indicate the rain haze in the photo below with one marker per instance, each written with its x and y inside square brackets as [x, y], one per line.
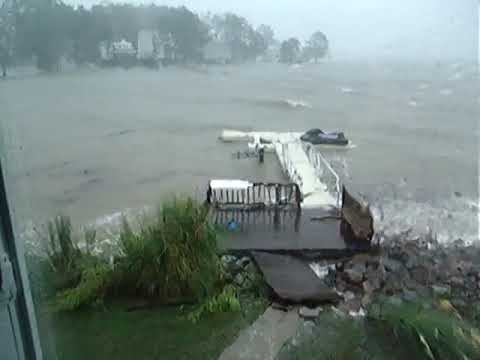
[427, 30]
[186, 143]
[397, 78]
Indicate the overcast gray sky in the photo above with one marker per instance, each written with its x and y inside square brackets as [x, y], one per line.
[406, 28]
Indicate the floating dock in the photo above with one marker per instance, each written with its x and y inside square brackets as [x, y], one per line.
[278, 217]
[285, 225]
[303, 164]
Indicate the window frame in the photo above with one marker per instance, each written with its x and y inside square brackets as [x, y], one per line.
[24, 324]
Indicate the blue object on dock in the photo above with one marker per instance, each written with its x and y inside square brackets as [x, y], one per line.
[232, 225]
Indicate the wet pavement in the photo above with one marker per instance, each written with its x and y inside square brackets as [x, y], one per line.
[265, 337]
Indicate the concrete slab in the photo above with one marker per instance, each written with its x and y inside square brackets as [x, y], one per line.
[292, 279]
[264, 338]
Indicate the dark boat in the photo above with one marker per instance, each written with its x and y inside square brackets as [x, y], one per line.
[318, 137]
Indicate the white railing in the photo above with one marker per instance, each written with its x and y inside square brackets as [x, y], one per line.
[234, 194]
[325, 173]
[290, 167]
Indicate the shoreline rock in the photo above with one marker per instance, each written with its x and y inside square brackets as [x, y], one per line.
[409, 269]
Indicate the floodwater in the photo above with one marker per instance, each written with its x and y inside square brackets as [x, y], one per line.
[91, 143]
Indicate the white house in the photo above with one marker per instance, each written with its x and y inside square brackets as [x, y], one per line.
[122, 48]
[148, 45]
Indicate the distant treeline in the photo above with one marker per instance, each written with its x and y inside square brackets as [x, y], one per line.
[47, 30]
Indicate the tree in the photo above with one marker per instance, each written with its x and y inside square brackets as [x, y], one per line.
[233, 30]
[267, 34]
[89, 28]
[43, 30]
[5, 48]
[289, 50]
[244, 41]
[48, 30]
[317, 45]
[188, 32]
[7, 34]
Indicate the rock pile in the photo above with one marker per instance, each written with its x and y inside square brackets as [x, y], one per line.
[408, 269]
[240, 271]
[402, 269]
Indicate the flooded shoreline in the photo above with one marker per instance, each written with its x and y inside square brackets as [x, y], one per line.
[109, 141]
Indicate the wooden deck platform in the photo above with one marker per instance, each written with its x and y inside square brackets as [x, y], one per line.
[281, 230]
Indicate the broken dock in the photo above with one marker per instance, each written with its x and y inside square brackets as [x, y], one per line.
[285, 227]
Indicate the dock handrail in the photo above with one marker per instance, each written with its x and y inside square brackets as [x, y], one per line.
[254, 195]
[319, 162]
[290, 167]
[323, 170]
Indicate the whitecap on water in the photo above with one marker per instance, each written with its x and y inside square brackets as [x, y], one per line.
[346, 90]
[34, 236]
[456, 65]
[340, 165]
[451, 220]
[295, 66]
[446, 92]
[456, 76]
[297, 103]
[110, 219]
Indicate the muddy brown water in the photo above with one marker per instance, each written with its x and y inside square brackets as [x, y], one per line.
[94, 142]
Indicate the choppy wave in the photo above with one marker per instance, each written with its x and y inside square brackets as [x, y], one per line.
[327, 148]
[276, 103]
[456, 219]
[347, 90]
[34, 236]
[446, 92]
[456, 76]
[295, 66]
[297, 103]
[453, 219]
[423, 86]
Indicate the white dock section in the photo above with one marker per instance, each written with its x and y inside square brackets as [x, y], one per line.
[246, 136]
[296, 164]
[299, 169]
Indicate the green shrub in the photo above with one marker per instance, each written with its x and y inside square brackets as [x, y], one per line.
[173, 256]
[71, 273]
[92, 288]
[226, 301]
[428, 333]
[62, 253]
[66, 262]
[394, 332]
[190, 256]
[90, 239]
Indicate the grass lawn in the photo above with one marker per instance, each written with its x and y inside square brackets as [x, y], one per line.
[156, 333]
